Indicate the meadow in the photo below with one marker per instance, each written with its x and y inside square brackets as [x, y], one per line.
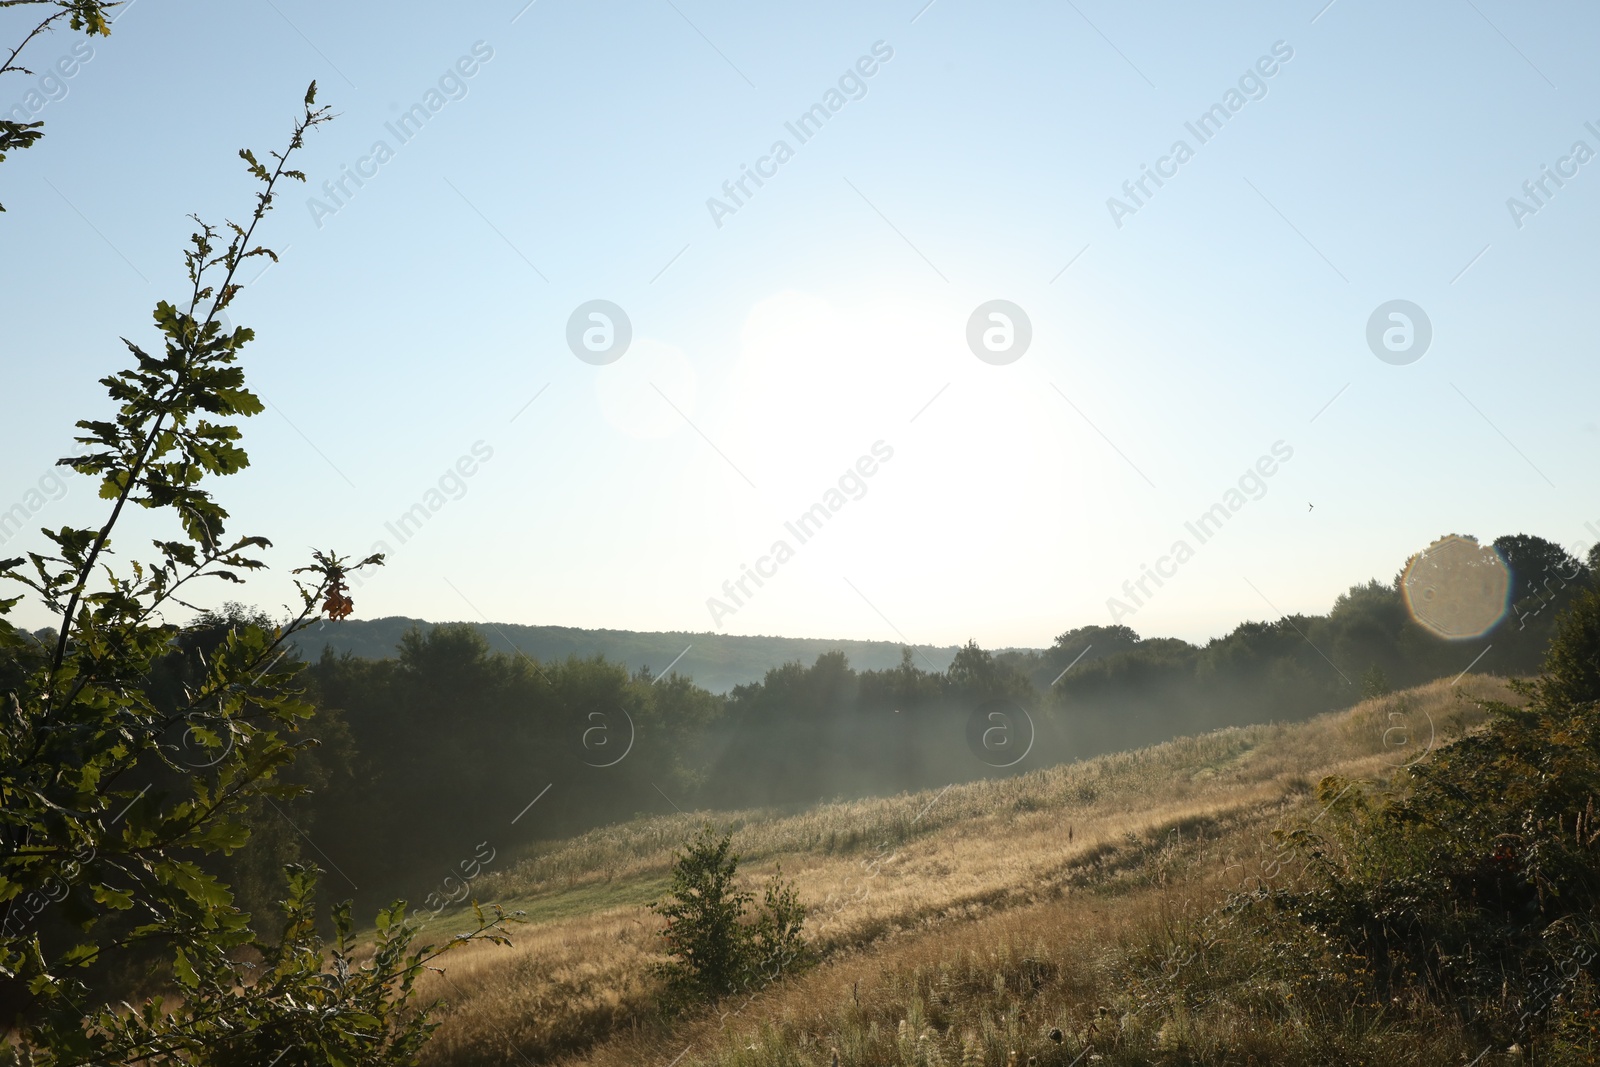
[1051, 914]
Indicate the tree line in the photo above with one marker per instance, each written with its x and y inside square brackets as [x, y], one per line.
[434, 754]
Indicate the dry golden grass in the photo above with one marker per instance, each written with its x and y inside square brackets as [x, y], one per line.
[904, 882]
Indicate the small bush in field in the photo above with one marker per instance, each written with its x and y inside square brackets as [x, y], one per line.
[716, 945]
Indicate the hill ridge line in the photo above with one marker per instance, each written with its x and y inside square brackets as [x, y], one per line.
[715, 661]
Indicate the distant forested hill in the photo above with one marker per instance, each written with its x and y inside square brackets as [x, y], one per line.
[716, 662]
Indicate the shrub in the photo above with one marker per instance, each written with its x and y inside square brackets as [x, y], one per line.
[716, 948]
[1475, 882]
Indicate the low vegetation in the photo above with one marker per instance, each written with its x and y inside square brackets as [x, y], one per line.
[715, 946]
[1076, 860]
[1307, 894]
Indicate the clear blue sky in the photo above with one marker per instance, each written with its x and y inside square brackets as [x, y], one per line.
[770, 352]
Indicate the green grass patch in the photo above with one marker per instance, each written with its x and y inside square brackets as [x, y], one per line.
[556, 904]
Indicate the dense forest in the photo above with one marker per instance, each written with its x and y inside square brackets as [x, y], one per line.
[431, 758]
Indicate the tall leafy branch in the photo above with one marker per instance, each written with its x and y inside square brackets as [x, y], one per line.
[117, 798]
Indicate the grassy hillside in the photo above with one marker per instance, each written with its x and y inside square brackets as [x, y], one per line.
[717, 662]
[966, 921]
[613, 740]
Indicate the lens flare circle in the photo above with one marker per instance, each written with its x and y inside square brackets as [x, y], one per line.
[1457, 588]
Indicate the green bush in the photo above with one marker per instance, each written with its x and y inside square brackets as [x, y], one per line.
[1474, 883]
[715, 946]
